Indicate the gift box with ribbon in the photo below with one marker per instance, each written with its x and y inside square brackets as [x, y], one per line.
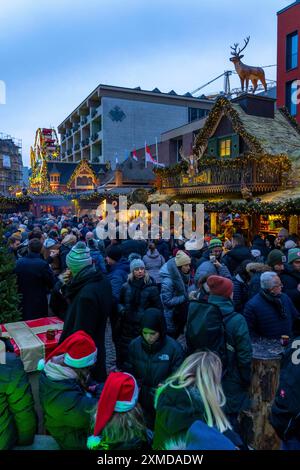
[33, 339]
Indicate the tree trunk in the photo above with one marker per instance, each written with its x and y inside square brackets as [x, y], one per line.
[265, 378]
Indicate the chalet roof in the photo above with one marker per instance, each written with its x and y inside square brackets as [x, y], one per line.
[67, 169]
[276, 136]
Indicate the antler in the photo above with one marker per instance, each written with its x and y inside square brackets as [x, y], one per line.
[184, 157]
[235, 46]
[246, 41]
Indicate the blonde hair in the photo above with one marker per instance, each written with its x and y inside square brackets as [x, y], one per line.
[124, 427]
[203, 370]
[147, 278]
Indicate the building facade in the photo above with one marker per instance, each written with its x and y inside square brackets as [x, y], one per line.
[11, 167]
[288, 58]
[112, 121]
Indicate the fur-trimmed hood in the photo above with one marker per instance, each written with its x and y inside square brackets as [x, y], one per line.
[253, 268]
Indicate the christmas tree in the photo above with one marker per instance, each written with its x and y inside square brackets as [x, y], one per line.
[9, 297]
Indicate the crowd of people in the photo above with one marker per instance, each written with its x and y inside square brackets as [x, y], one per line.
[182, 323]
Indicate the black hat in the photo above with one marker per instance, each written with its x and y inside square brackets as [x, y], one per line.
[114, 252]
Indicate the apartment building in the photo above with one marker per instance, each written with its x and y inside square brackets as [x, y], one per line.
[11, 167]
[112, 121]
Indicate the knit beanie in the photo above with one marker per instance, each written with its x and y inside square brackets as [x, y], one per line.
[275, 257]
[182, 258]
[78, 258]
[114, 252]
[293, 255]
[284, 233]
[79, 351]
[49, 243]
[214, 242]
[136, 263]
[290, 244]
[220, 286]
[120, 394]
[69, 240]
[63, 231]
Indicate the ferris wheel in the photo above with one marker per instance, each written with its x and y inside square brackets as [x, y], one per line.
[46, 148]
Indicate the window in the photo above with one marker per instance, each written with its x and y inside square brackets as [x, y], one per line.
[178, 144]
[197, 113]
[291, 97]
[225, 147]
[292, 51]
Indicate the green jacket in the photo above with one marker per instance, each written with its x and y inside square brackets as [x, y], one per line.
[237, 378]
[68, 411]
[17, 415]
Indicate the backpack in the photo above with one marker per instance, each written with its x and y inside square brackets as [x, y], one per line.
[206, 329]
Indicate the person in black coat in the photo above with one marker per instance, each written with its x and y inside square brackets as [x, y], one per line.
[152, 357]
[90, 300]
[290, 278]
[163, 248]
[137, 294]
[34, 279]
[239, 253]
[285, 415]
[134, 246]
[270, 313]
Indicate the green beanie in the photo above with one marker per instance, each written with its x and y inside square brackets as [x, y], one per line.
[275, 257]
[78, 258]
[214, 243]
[293, 255]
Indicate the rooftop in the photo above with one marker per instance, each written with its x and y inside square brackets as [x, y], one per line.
[288, 7]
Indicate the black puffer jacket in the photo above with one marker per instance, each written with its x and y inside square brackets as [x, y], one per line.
[151, 364]
[68, 411]
[17, 415]
[285, 416]
[290, 280]
[90, 300]
[136, 296]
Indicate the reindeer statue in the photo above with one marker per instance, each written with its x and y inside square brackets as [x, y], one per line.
[192, 160]
[246, 72]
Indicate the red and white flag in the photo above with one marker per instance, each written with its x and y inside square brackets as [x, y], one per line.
[134, 155]
[150, 159]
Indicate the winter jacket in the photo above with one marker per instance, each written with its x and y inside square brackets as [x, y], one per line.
[240, 293]
[34, 278]
[17, 416]
[266, 319]
[285, 416]
[63, 251]
[117, 275]
[176, 410]
[98, 260]
[153, 262]
[235, 257]
[174, 295]
[163, 248]
[90, 301]
[68, 411]
[290, 280]
[237, 377]
[151, 365]
[136, 296]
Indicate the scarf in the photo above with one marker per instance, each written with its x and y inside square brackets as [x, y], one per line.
[55, 370]
[276, 301]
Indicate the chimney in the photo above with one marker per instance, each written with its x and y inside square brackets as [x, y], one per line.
[118, 176]
[256, 105]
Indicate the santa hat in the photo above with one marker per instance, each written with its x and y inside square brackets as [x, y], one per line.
[79, 350]
[120, 394]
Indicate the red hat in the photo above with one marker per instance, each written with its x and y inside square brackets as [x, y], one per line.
[79, 350]
[220, 286]
[120, 394]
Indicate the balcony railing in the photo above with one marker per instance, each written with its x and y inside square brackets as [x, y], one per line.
[95, 136]
[83, 121]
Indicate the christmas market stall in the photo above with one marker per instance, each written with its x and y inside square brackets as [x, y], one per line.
[246, 152]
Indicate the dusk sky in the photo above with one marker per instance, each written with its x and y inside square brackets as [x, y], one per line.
[54, 53]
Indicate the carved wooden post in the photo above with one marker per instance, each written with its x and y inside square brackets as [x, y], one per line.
[265, 378]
